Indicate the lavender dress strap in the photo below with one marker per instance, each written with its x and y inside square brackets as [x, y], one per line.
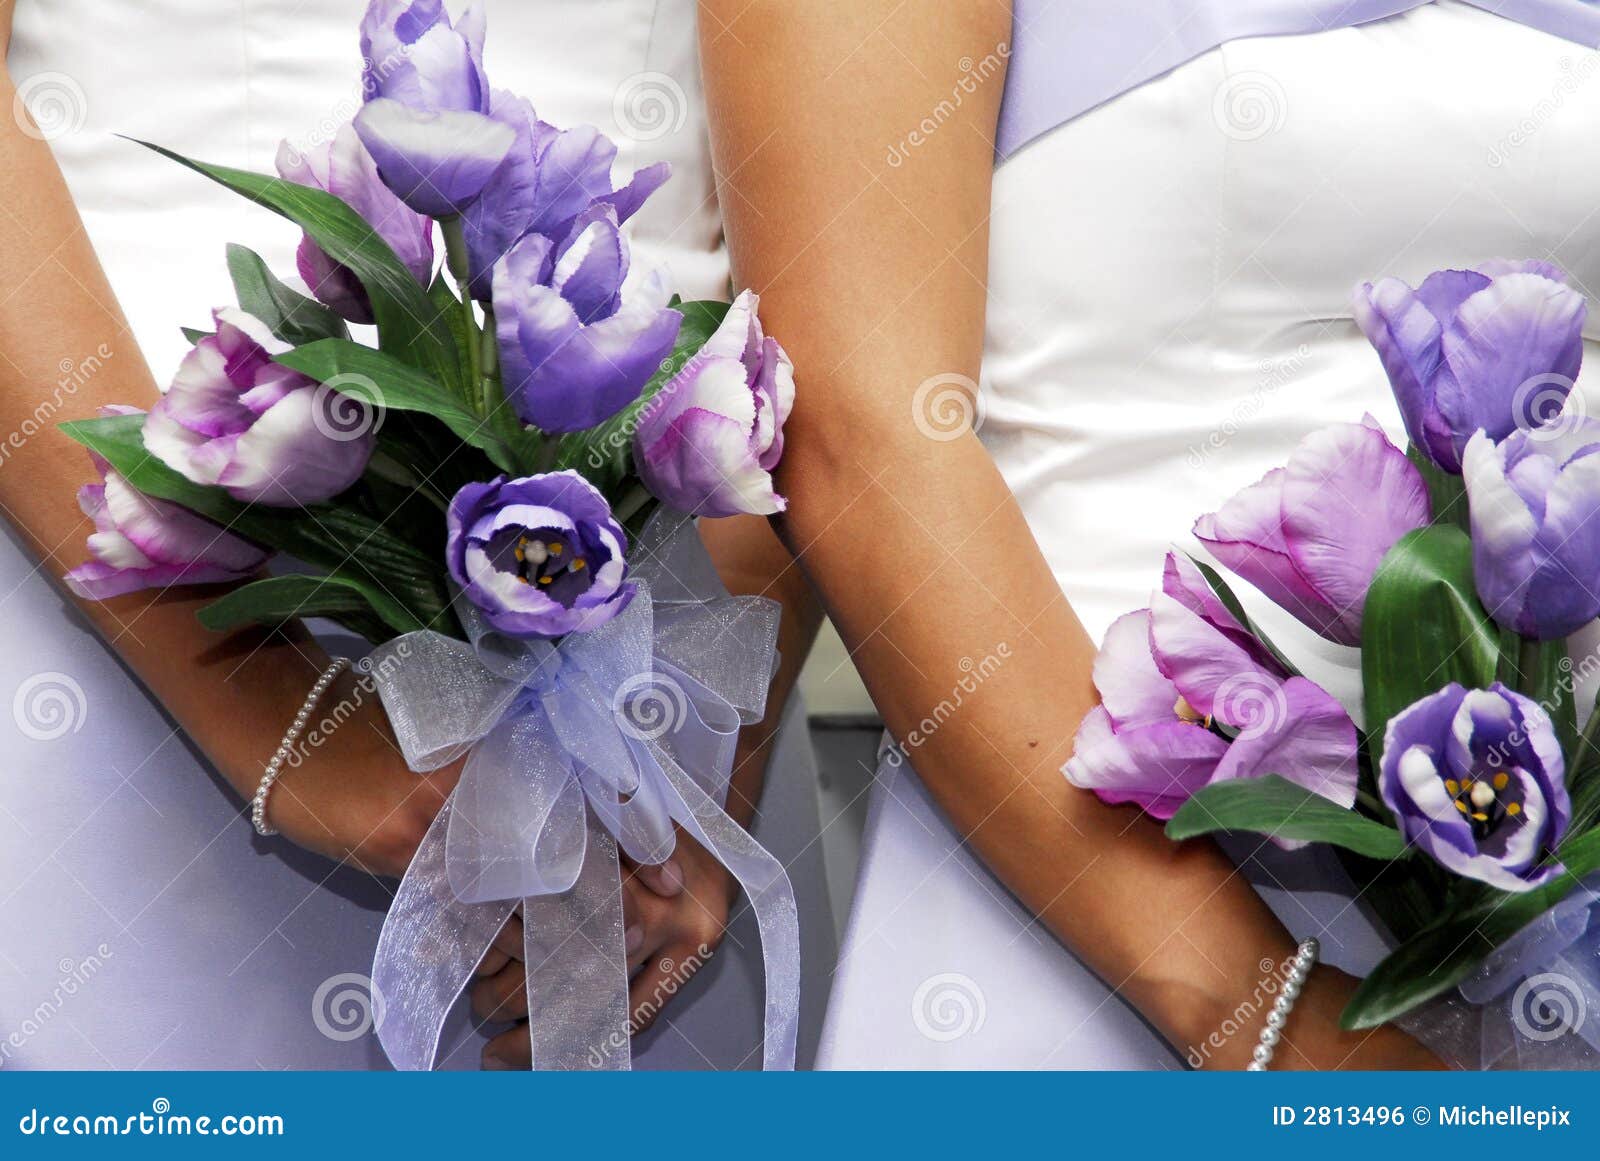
[1067, 56]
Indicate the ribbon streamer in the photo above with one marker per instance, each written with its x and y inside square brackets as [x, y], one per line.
[577, 750]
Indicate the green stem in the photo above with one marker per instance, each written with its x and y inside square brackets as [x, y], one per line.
[632, 501]
[459, 265]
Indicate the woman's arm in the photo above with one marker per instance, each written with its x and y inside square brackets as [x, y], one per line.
[874, 276]
[353, 798]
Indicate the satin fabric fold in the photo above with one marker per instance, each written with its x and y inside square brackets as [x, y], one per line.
[1067, 56]
[577, 750]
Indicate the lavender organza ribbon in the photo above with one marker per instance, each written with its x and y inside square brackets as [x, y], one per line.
[603, 741]
[1549, 975]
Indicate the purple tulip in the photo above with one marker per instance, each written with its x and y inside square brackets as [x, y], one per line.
[344, 168]
[578, 338]
[550, 177]
[541, 556]
[1311, 535]
[1476, 779]
[1188, 697]
[707, 443]
[236, 420]
[1495, 348]
[1535, 502]
[426, 119]
[140, 542]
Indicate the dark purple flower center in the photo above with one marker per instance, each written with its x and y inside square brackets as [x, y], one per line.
[1485, 801]
[551, 559]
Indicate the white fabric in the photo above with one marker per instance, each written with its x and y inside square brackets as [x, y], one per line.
[1169, 313]
[118, 847]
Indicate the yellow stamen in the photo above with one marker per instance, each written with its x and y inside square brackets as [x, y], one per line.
[1452, 786]
[1480, 816]
[1461, 806]
[544, 580]
[578, 565]
[1513, 808]
[1502, 780]
[555, 548]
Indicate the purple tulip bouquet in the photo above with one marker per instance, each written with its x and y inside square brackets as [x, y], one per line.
[1464, 803]
[499, 495]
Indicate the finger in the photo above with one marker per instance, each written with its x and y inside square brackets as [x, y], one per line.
[664, 879]
[508, 1051]
[646, 923]
[507, 946]
[661, 978]
[503, 996]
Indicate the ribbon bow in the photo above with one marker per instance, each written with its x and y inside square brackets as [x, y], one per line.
[606, 739]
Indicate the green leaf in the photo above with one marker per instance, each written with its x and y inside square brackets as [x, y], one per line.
[604, 454]
[1447, 492]
[283, 598]
[1231, 602]
[1423, 627]
[194, 335]
[405, 585]
[390, 385]
[409, 326]
[1277, 807]
[290, 315]
[1442, 955]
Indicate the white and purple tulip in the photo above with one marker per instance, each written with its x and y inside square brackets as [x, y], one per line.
[426, 120]
[236, 420]
[708, 441]
[1311, 535]
[541, 556]
[140, 542]
[579, 338]
[1535, 503]
[549, 178]
[344, 168]
[1476, 779]
[1495, 348]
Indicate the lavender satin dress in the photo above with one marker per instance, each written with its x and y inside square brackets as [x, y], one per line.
[142, 925]
[1178, 223]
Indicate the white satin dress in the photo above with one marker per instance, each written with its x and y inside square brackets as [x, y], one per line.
[142, 925]
[1169, 312]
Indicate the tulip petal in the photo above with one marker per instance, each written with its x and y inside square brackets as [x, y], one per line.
[436, 162]
[1156, 767]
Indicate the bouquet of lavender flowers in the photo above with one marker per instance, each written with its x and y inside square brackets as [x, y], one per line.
[499, 496]
[1465, 803]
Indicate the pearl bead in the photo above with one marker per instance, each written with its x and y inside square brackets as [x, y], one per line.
[1269, 1036]
[1255, 1066]
[1291, 991]
[1262, 1055]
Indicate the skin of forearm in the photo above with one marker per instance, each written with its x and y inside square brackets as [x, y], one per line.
[873, 278]
[232, 695]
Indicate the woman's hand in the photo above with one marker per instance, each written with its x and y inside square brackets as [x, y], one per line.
[675, 916]
[7, 7]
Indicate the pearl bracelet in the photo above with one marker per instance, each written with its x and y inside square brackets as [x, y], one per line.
[1299, 968]
[258, 804]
